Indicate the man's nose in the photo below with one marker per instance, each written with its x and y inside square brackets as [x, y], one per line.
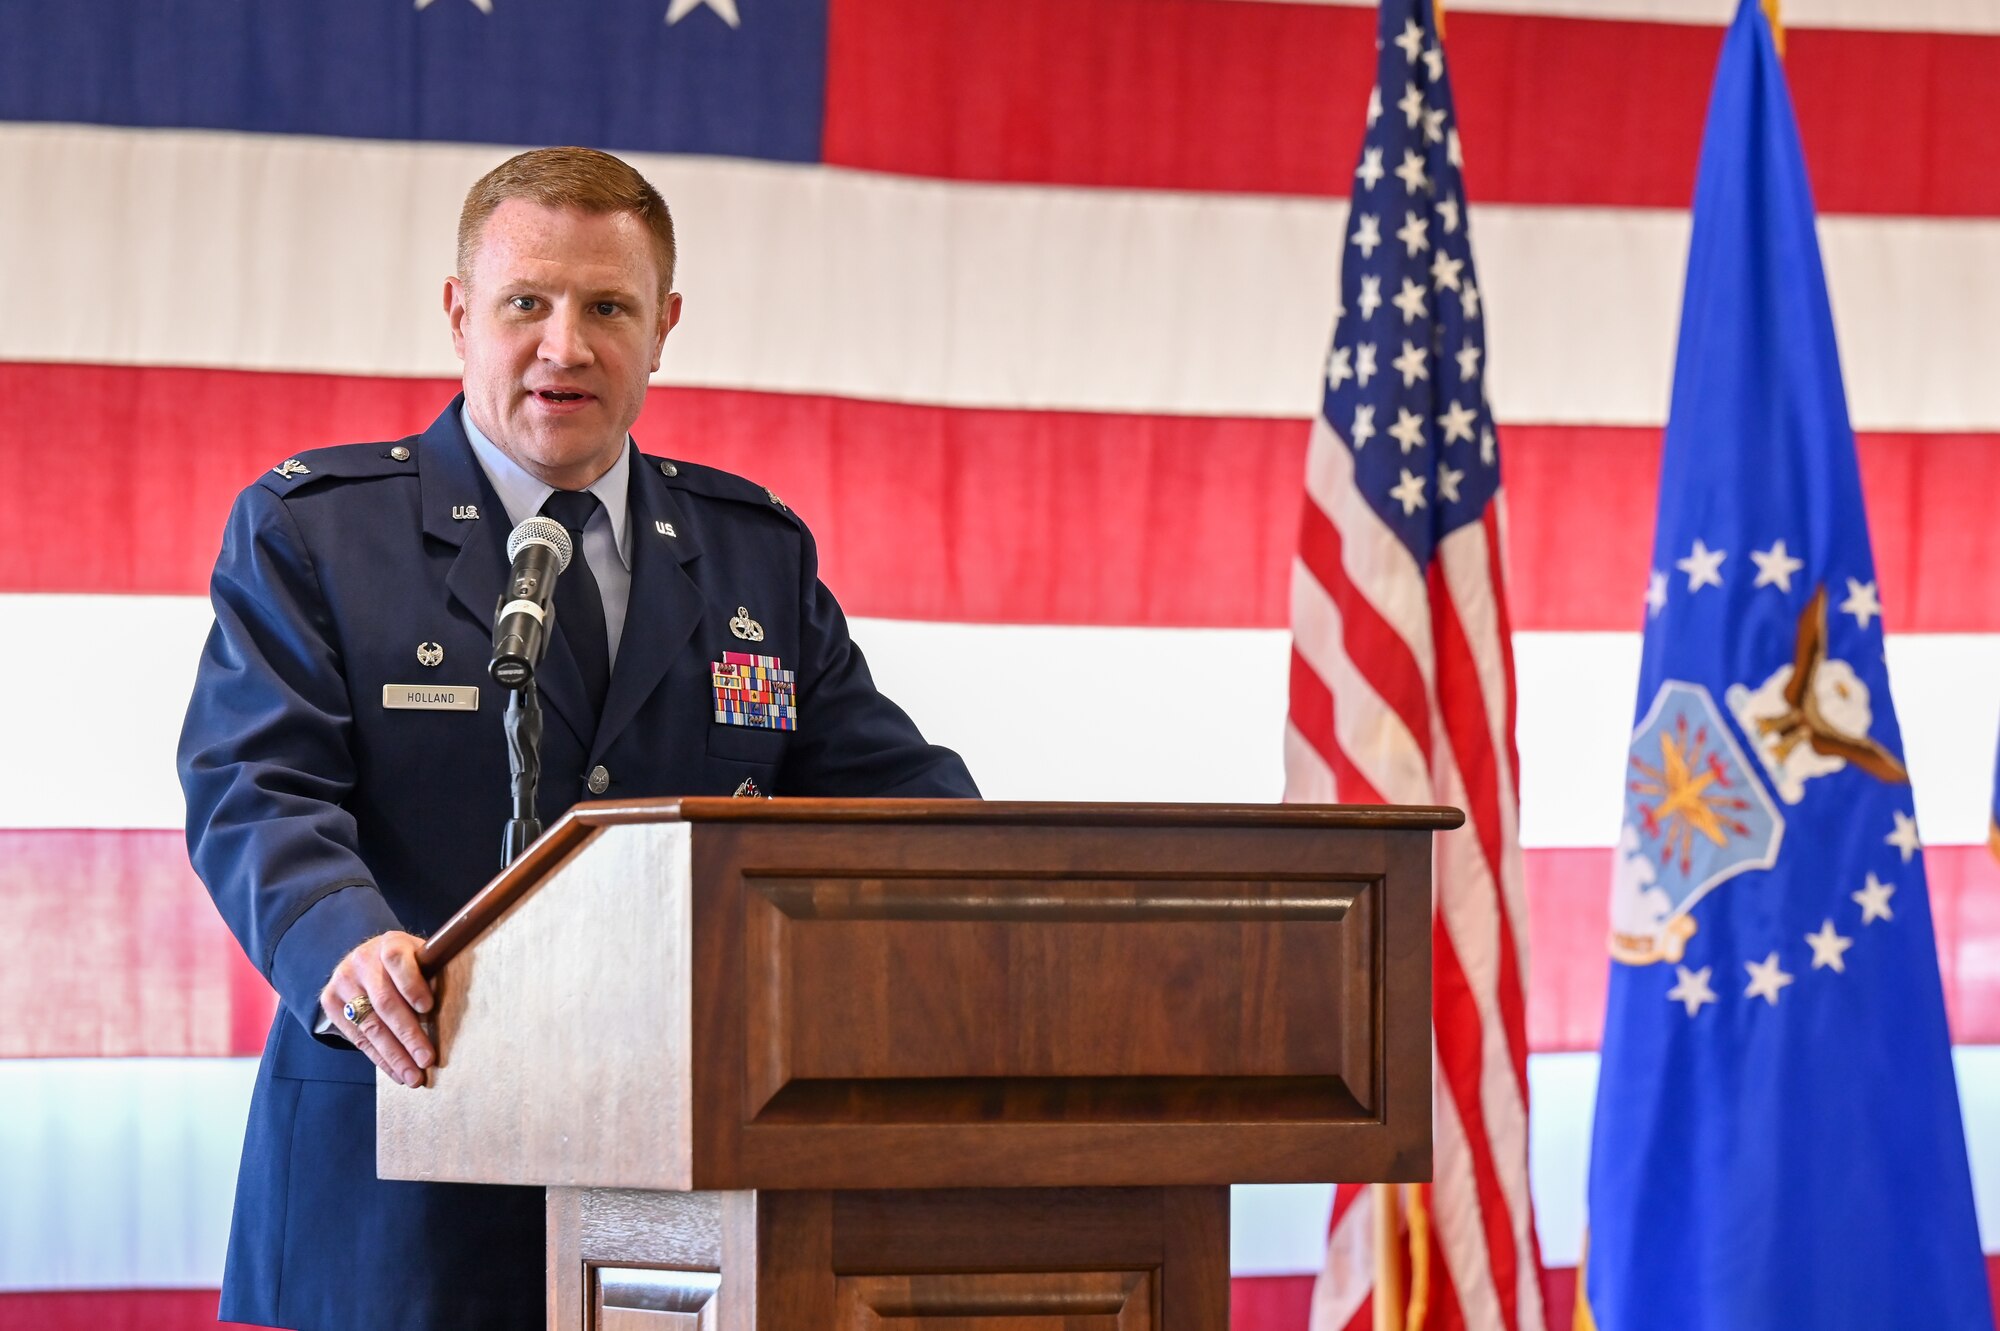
[563, 337]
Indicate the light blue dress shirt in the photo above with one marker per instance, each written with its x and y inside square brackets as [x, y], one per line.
[607, 538]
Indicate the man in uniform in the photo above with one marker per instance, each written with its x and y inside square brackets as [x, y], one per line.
[344, 757]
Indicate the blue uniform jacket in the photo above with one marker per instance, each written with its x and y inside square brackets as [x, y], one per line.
[319, 818]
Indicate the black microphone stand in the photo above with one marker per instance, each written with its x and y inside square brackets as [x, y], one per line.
[524, 768]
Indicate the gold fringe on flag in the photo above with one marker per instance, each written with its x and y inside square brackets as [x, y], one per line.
[1777, 25]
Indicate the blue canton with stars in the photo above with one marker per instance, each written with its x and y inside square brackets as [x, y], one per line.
[1406, 379]
[1777, 1140]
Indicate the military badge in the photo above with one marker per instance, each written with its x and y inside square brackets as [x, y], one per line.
[1695, 817]
[754, 691]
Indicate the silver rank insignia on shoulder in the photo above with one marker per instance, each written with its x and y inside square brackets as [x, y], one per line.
[745, 627]
[430, 654]
[291, 467]
[774, 498]
[465, 512]
[666, 529]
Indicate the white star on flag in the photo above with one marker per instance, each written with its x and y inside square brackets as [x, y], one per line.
[1828, 947]
[1367, 234]
[484, 6]
[680, 9]
[1448, 480]
[1412, 40]
[1408, 429]
[1861, 602]
[1451, 149]
[1364, 360]
[1434, 63]
[1410, 492]
[1411, 104]
[1444, 271]
[1468, 360]
[1703, 566]
[1488, 447]
[1411, 172]
[1874, 900]
[1338, 368]
[1775, 567]
[1414, 233]
[1656, 592]
[1766, 979]
[1371, 299]
[1448, 210]
[1364, 426]
[1693, 990]
[1411, 363]
[1370, 171]
[1374, 103]
[1470, 298]
[1434, 126]
[1457, 422]
[1904, 838]
[1410, 300]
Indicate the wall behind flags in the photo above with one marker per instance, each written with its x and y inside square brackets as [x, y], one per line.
[1022, 305]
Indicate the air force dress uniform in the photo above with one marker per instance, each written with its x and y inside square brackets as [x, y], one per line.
[346, 774]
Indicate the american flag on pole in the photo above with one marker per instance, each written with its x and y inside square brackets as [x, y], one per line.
[1402, 691]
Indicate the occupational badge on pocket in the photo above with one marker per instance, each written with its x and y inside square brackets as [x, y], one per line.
[754, 691]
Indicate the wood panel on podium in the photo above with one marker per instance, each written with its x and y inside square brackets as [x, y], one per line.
[932, 1065]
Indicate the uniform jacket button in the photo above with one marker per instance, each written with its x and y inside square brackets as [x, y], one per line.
[599, 780]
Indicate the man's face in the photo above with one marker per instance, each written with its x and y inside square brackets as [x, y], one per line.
[559, 323]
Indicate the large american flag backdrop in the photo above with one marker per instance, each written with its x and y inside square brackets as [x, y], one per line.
[1024, 305]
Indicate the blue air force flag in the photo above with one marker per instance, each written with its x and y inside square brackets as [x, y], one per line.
[1777, 1139]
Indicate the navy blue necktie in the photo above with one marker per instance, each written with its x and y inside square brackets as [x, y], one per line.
[579, 604]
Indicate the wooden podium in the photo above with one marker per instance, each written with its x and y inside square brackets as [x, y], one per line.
[797, 1065]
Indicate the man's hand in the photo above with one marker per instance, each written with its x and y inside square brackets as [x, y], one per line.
[385, 969]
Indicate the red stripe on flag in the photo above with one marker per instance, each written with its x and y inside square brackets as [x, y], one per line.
[128, 954]
[1311, 712]
[1460, 1052]
[1371, 645]
[1469, 730]
[1183, 94]
[131, 927]
[1012, 516]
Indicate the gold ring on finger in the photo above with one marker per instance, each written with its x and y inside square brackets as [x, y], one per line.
[357, 1009]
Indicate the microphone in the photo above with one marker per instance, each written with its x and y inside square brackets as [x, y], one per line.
[540, 549]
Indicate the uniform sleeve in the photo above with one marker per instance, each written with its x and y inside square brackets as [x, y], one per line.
[266, 763]
[853, 741]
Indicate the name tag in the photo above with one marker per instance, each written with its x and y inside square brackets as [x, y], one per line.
[431, 697]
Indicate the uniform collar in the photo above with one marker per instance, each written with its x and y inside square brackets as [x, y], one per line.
[523, 495]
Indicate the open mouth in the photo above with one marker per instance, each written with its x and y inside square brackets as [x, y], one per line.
[558, 395]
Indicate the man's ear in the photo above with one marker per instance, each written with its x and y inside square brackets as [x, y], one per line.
[670, 314]
[455, 297]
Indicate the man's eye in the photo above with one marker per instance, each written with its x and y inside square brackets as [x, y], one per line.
[522, 302]
[607, 308]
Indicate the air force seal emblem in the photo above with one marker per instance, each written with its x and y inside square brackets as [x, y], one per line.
[1695, 817]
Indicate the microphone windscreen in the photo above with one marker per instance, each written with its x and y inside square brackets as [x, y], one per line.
[542, 531]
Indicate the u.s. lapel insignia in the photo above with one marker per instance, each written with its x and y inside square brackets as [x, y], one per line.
[745, 627]
[666, 529]
[465, 512]
[291, 467]
[430, 654]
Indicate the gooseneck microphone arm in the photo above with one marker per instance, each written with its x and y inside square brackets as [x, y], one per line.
[540, 551]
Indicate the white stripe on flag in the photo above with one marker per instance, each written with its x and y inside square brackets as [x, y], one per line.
[813, 280]
[1205, 716]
